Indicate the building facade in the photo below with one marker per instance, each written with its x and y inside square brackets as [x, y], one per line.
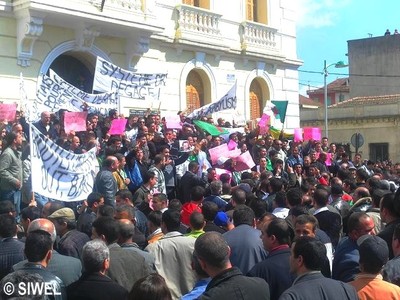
[337, 91]
[204, 46]
[374, 65]
[377, 118]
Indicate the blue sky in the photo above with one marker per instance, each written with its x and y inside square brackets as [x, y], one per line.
[325, 26]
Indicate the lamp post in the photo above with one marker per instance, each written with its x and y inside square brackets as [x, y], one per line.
[339, 64]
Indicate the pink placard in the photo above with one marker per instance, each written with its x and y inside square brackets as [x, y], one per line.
[217, 152]
[264, 120]
[219, 172]
[312, 133]
[232, 145]
[173, 122]
[75, 121]
[7, 111]
[328, 161]
[263, 124]
[298, 134]
[244, 162]
[117, 126]
[234, 153]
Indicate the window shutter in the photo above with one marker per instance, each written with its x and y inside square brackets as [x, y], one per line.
[188, 2]
[249, 10]
[254, 106]
[192, 98]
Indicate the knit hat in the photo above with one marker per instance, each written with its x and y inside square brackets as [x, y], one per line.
[372, 247]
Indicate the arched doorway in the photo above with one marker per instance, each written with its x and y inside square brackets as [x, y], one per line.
[256, 103]
[198, 91]
[76, 68]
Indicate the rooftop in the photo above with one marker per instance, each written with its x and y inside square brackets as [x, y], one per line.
[338, 85]
[370, 100]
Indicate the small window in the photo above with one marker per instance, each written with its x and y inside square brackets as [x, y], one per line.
[379, 151]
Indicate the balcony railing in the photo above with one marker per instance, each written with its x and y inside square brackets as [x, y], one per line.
[133, 5]
[196, 20]
[258, 35]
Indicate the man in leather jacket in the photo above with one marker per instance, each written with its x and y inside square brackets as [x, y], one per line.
[38, 250]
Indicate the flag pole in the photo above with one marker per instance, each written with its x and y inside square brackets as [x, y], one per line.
[30, 156]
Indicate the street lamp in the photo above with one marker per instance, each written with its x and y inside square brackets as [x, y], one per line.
[339, 64]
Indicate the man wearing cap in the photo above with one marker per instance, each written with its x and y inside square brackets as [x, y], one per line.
[374, 253]
[67, 268]
[71, 240]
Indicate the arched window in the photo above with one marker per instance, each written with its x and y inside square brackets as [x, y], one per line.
[73, 70]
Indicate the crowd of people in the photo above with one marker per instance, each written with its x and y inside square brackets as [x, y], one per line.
[169, 222]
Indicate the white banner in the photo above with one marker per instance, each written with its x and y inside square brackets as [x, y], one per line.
[228, 101]
[109, 77]
[58, 173]
[54, 93]
[97, 103]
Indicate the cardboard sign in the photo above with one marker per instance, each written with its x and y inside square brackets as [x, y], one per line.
[7, 111]
[173, 122]
[298, 135]
[75, 121]
[217, 152]
[232, 145]
[263, 124]
[328, 161]
[312, 133]
[117, 126]
[244, 162]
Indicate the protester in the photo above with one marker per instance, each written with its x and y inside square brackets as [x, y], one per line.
[212, 253]
[94, 284]
[305, 261]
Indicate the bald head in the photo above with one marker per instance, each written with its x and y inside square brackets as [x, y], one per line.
[125, 222]
[126, 230]
[45, 225]
[45, 117]
[360, 192]
[111, 163]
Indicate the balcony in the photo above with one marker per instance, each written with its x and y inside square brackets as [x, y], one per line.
[196, 25]
[130, 19]
[258, 38]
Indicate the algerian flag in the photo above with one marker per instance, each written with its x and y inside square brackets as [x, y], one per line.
[277, 109]
[210, 128]
[277, 134]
